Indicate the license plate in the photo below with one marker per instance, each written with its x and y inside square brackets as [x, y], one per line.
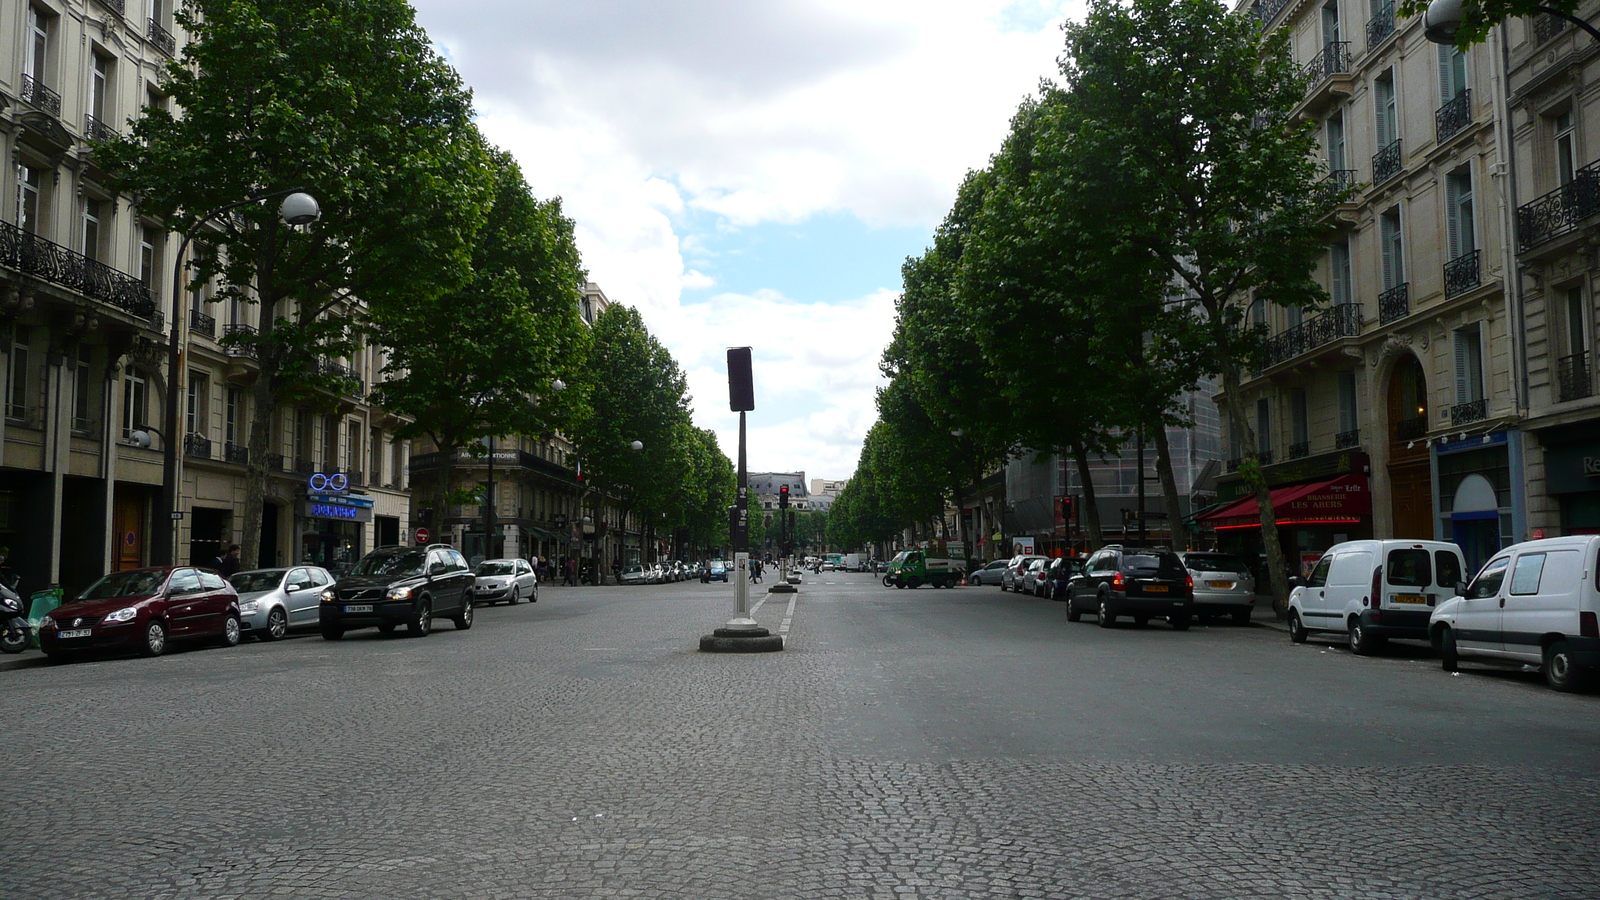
[359, 607]
[1410, 598]
[1221, 585]
[1155, 588]
[75, 633]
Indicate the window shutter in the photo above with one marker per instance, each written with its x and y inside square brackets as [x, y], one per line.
[1446, 87]
[1339, 263]
[1386, 242]
[1468, 238]
[1461, 367]
[1452, 189]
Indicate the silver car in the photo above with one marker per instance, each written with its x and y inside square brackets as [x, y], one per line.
[272, 601]
[504, 580]
[1222, 584]
[989, 574]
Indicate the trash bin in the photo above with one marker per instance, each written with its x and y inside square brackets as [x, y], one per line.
[41, 604]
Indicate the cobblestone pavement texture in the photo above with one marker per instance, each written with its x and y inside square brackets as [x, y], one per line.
[906, 744]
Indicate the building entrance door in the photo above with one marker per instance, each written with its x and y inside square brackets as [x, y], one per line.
[130, 530]
[206, 530]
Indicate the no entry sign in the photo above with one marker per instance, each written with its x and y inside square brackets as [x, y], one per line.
[422, 535]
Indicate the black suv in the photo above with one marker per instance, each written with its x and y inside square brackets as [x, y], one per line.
[1143, 582]
[395, 585]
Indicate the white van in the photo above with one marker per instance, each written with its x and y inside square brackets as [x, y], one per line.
[1536, 602]
[1375, 590]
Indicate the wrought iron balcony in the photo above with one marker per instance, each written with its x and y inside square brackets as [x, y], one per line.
[326, 366]
[1336, 184]
[1235, 463]
[1462, 273]
[1340, 321]
[39, 96]
[276, 463]
[1395, 303]
[304, 466]
[161, 38]
[236, 454]
[1546, 27]
[96, 130]
[199, 321]
[1266, 10]
[197, 446]
[1574, 381]
[1453, 116]
[1411, 429]
[1471, 411]
[46, 259]
[237, 341]
[1386, 162]
[1380, 26]
[1560, 211]
[1300, 449]
[120, 7]
[1333, 60]
[1344, 440]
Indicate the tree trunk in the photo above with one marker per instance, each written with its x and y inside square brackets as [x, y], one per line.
[1276, 569]
[1169, 490]
[263, 406]
[1091, 509]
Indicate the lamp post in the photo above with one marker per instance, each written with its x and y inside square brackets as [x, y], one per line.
[1442, 20]
[298, 208]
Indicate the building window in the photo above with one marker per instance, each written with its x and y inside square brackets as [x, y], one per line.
[1392, 248]
[1576, 322]
[37, 60]
[1337, 158]
[91, 228]
[82, 390]
[1263, 427]
[1566, 149]
[1330, 24]
[1299, 422]
[133, 403]
[1469, 365]
[1452, 72]
[17, 376]
[232, 413]
[1388, 113]
[1339, 272]
[28, 198]
[302, 436]
[1458, 212]
[194, 421]
[330, 444]
[99, 87]
[352, 450]
[1349, 419]
[149, 258]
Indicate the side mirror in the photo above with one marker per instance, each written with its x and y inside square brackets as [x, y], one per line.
[1294, 582]
[437, 568]
[1461, 589]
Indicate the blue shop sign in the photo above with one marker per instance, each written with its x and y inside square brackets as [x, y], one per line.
[343, 507]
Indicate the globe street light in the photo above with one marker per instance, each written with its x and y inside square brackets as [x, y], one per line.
[298, 208]
[1442, 20]
[637, 445]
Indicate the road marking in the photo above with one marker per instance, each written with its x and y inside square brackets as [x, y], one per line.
[788, 617]
[757, 607]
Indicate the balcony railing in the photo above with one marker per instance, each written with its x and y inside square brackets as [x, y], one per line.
[1336, 184]
[120, 7]
[276, 462]
[39, 96]
[1560, 211]
[304, 466]
[96, 130]
[1453, 116]
[1395, 303]
[1341, 321]
[46, 259]
[236, 454]
[1411, 429]
[238, 347]
[197, 446]
[1264, 457]
[1386, 162]
[327, 366]
[1267, 9]
[161, 38]
[1471, 411]
[1546, 27]
[199, 321]
[1462, 273]
[1333, 60]
[1380, 26]
[356, 478]
[1300, 449]
[1574, 381]
[1344, 440]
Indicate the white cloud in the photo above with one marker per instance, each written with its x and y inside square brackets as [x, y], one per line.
[638, 112]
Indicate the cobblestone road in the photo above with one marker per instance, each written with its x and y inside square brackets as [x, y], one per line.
[950, 743]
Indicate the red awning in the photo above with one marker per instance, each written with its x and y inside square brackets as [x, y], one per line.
[1338, 500]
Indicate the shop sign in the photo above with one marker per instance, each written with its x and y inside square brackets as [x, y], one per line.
[1314, 468]
[319, 482]
[1572, 469]
[341, 507]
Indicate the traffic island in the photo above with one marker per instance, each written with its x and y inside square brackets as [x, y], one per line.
[782, 587]
[741, 640]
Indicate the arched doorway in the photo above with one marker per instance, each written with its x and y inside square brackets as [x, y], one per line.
[1410, 484]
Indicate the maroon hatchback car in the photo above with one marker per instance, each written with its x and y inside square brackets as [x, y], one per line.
[144, 609]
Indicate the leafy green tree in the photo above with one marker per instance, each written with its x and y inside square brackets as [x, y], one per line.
[708, 492]
[480, 360]
[347, 99]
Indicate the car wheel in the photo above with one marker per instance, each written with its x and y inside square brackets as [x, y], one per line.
[1179, 622]
[277, 625]
[1449, 659]
[155, 639]
[534, 597]
[230, 631]
[1560, 672]
[1106, 618]
[1242, 617]
[1073, 614]
[334, 632]
[1362, 643]
[1297, 629]
[913, 582]
[421, 621]
[463, 619]
[516, 595]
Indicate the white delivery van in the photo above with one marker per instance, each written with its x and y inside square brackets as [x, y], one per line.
[1536, 602]
[1371, 591]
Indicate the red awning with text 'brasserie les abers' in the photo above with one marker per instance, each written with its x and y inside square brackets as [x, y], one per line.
[1340, 500]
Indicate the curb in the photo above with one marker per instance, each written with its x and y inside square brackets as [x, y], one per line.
[24, 660]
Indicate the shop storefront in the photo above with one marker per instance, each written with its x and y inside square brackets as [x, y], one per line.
[1478, 488]
[332, 529]
[1572, 476]
[1318, 502]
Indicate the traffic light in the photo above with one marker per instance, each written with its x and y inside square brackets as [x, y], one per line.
[1066, 510]
[783, 497]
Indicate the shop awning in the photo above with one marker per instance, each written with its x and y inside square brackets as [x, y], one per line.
[1341, 500]
[542, 534]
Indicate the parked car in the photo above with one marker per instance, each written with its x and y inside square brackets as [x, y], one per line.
[1012, 574]
[1530, 604]
[1143, 582]
[1223, 585]
[508, 580]
[635, 574]
[1372, 591]
[1033, 576]
[144, 610]
[272, 601]
[391, 586]
[989, 574]
[719, 570]
[1058, 575]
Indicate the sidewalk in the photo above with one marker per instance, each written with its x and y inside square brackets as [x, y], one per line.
[26, 659]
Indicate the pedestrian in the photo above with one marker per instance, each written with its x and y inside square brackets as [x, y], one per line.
[572, 571]
[228, 563]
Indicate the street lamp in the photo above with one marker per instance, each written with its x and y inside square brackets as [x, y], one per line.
[637, 445]
[1442, 20]
[298, 208]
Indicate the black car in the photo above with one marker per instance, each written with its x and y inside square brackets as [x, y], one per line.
[1059, 574]
[1143, 582]
[399, 585]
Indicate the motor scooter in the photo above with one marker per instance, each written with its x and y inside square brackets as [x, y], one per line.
[17, 634]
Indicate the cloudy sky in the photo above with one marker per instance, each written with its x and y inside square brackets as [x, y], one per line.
[754, 173]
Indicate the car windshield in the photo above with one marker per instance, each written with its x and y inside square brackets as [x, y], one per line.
[1214, 562]
[391, 563]
[633, 569]
[125, 584]
[496, 568]
[257, 581]
[1163, 564]
[719, 564]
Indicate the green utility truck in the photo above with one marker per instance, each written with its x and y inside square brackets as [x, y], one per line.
[939, 563]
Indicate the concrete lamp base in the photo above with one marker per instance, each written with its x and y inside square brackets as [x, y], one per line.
[740, 640]
[781, 588]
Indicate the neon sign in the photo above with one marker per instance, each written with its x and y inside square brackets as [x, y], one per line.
[335, 482]
[332, 511]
